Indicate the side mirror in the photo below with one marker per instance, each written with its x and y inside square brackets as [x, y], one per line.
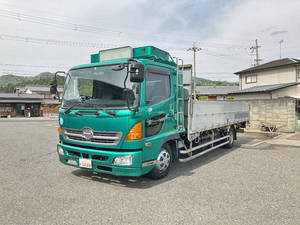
[136, 72]
[53, 84]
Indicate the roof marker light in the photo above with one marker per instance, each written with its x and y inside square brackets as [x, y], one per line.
[115, 54]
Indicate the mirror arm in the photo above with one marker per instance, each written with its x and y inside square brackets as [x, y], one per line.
[135, 109]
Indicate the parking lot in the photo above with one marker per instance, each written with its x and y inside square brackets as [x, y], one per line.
[238, 186]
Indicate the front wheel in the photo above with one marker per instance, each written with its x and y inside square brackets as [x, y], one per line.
[163, 163]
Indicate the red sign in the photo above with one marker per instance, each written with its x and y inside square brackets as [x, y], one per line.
[5, 109]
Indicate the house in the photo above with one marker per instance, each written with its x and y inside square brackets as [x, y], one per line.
[19, 89]
[41, 90]
[48, 104]
[14, 105]
[215, 92]
[257, 82]
[273, 92]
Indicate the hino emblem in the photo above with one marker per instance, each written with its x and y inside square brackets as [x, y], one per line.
[87, 133]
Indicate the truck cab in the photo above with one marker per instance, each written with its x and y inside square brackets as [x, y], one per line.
[119, 113]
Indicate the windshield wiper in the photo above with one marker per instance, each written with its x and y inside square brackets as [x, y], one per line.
[83, 98]
[95, 106]
[105, 110]
[68, 110]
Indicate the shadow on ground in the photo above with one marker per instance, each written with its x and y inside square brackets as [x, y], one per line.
[177, 170]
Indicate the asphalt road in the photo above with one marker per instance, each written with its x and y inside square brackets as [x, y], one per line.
[238, 186]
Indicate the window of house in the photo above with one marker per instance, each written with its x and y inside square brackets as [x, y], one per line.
[251, 79]
[157, 87]
[298, 73]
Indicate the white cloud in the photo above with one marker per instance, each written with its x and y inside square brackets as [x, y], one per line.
[224, 31]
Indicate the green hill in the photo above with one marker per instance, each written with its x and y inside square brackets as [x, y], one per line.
[11, 79]
[9, 82]
[206, 82]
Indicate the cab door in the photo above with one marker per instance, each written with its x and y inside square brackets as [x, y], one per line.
[160, 107]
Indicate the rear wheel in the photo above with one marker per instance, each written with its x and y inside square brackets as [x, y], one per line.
[163, 163]
[230, 139]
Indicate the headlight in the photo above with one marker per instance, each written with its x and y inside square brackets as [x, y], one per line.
[60, 150]
[125, 160]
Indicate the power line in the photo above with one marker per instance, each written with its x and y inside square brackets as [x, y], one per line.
[95, 30]
[18, 72]
[213, 44]
[221, 54]
[211, 72]
[68, 43]
[54, 22]
[32, 66]
[54, 42]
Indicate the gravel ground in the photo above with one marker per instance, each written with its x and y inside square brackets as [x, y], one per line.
[237, 186]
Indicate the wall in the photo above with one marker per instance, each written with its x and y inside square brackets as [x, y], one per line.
[50, 109]
[284, 92]
[271, 76]
[288, 91]
[46, 94]
[220, 97]
[212, 98]
[251, 96]
[277, 111]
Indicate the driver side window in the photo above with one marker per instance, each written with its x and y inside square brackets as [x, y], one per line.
[157, 87]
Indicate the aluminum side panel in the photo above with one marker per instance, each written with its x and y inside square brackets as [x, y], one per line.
[215, 114]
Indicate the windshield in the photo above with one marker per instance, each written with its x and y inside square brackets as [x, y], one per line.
[100, 87]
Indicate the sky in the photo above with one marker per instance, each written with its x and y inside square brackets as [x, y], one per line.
[38, 36]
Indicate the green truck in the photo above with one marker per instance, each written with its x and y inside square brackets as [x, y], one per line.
[132, 112]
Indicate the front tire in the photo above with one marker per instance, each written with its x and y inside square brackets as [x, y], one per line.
[163, 163]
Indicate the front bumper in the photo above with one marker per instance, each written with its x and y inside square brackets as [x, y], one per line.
[102, 160]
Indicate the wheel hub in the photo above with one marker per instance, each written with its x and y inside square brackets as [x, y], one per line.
[163, 160]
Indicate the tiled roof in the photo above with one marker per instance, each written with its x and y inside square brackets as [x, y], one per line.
[20, 96]
[264, 88]
[272, 64]
[215, 90]
[42, 88]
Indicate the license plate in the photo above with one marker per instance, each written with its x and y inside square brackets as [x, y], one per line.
[85, 163]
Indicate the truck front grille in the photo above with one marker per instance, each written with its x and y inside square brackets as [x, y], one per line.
[97, 137]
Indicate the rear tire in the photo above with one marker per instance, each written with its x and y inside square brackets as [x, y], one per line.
[230, 139]
[163, 163]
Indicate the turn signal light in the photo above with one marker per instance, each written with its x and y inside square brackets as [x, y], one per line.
[58, 129]
[135, 133]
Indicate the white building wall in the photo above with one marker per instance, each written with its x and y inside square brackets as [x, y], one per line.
[288, 91]
[271, 76]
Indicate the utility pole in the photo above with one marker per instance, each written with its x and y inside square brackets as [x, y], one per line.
[280, 42]
[256, 47]
[194, 49]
